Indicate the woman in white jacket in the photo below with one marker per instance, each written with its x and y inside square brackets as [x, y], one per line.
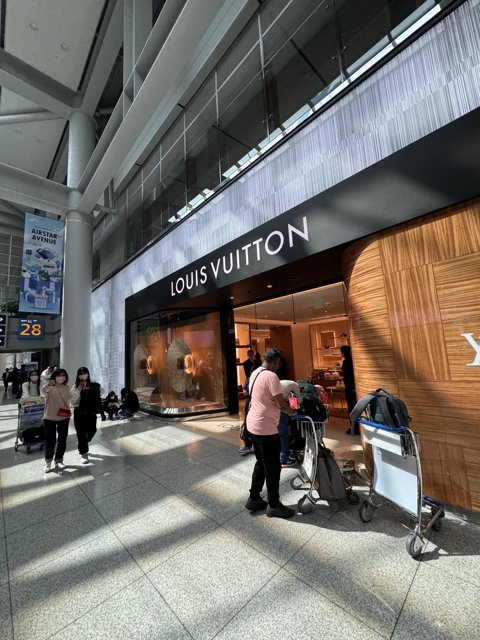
[31, 389]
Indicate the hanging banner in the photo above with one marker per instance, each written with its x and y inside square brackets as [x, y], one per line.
[41, 287]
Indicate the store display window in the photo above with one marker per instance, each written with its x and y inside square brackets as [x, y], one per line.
[177, 364]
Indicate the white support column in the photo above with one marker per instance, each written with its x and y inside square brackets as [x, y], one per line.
[77, 274]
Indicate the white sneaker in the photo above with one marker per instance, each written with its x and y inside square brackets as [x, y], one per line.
[84, 457]
[59, 465]
[48, 466]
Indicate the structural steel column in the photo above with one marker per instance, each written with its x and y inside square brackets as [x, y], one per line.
[77, 278]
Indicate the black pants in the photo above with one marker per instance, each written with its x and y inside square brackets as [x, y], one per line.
[351, 398]
[56, 432]
[86, 428]
[267, 467]
[111, 411]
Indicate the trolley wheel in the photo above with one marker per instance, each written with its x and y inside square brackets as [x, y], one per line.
[16, 447]
[304, 505]
[414, 544]
[365, 512]
[28, 449]
[353, 497]
[437, 525]
[296, 483]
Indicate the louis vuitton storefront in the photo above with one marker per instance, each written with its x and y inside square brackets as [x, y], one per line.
[412, 306]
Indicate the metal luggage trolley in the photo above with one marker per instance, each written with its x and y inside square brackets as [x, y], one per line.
[397, 480]
[29, 416]
[306, 477]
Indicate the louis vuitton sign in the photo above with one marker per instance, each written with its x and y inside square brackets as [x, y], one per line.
[250, 255]
[476, 348]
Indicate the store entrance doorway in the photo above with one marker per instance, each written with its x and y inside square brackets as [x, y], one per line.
[309, 327]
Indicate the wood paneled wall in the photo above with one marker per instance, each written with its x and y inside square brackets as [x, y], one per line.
[412, 291]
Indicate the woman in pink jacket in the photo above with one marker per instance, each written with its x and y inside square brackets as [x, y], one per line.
[56, 418]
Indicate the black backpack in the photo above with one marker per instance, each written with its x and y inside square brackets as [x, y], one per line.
[309, 403]
[307, 387]
[383, 408]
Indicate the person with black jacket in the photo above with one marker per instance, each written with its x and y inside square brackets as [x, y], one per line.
[85, 410]
[349, 384]
[5, 379]
[110, 405]
[14, 378]
[130, 404]
[249, 364]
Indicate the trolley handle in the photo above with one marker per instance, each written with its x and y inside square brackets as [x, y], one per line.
[382, 427]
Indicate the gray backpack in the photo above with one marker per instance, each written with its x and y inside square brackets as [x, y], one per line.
[383, 408]
[329, 482]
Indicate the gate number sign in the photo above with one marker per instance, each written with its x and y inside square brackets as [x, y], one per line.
[31, 329]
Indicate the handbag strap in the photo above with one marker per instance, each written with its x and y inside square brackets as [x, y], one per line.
[253, 383]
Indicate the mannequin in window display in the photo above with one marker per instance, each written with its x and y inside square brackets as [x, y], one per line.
[202, 387]
[204, 382]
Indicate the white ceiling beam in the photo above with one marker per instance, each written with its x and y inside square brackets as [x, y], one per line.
[31, 191]
[11, 231]
[108, 45]
[9, 208]
[28, 82]
[192, 40]
[29, 116]
[6, 219]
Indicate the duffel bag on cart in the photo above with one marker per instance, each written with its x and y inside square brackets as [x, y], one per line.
[33, 435]
[329, 482]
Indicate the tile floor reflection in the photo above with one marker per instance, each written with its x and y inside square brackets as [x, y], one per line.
[151, 540]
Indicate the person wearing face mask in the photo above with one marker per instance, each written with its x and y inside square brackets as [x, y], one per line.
[31, 389]
[56, 418]
[86, 407]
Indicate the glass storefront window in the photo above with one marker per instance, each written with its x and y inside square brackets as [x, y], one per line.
[363, 24]
[177, 363]
[289, 57]
[302, 67]
[243, 57]
[172, 192]
[202, 152]
[242, 120]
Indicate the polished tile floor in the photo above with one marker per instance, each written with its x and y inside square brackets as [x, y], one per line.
[151, 541]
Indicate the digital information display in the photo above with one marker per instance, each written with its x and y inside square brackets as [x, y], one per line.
[3, 330]
[31, 329]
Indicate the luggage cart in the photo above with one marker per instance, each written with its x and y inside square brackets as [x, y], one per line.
[30, 416]
[306, 477]
[397, 480]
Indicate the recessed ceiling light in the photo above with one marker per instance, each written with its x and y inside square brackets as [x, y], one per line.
[33, 26]
[64, 46]
[269, 286]
[232, 297]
